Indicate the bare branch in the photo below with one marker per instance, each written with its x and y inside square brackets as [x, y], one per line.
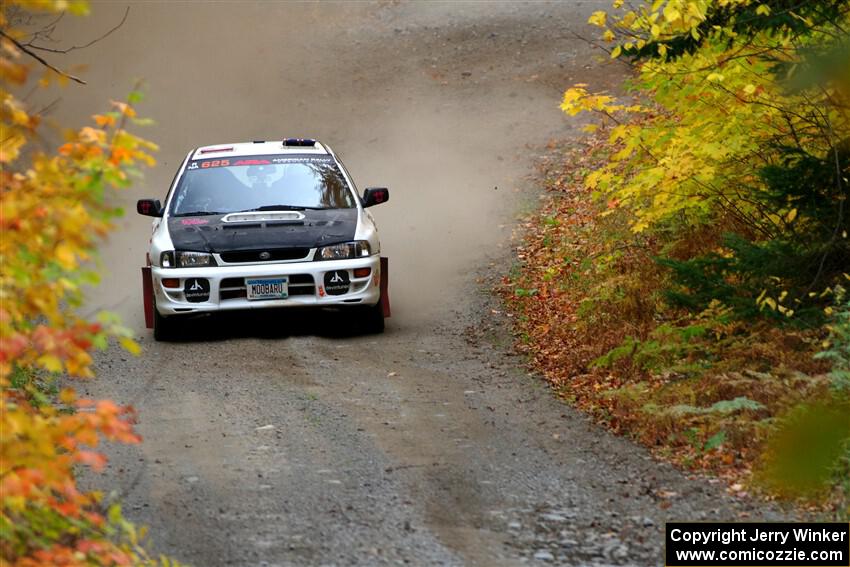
[45, 31]
[89, 44]
[40, 59]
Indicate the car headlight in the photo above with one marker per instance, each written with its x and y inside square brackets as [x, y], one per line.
[344, 251]
[194, 259]
[179, 259]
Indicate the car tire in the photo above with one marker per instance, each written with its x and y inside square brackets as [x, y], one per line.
[373, 319]
[163, 327]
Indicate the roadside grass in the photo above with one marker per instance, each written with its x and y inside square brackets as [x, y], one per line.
[708, 392]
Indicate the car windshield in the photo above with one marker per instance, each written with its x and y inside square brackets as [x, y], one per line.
[219, 186]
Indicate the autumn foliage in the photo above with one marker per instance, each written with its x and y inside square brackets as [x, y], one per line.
[54, 208]
[685, 280]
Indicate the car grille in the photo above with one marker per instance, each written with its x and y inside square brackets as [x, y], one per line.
[234, 288]
[276, 255]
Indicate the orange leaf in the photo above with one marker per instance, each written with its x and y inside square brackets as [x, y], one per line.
[104, 120]
[95, 460]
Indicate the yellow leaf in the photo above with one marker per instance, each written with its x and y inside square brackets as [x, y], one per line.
[792, 214]
[68, 284]
[671, 14]
[590, 128]
[592, 179]
[92, 135]
[65, 256]
[67, 396]
[130, 345]
[50, 362]
[750, 89]
[10, 145]
[639, 226]
[598, 18]
[20, 117]
[763, 10]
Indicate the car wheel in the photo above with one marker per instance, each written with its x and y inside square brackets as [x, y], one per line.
[163, 328]
[373, 319]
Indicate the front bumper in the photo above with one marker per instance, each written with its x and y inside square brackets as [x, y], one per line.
[227, 286]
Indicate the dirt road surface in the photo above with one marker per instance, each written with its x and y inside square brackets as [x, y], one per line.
[283, 440]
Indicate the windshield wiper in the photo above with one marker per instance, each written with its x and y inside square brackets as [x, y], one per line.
[198, 214]
[282, 208]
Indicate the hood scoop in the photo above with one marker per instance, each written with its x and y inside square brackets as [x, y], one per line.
[255, 217]
[240, 225]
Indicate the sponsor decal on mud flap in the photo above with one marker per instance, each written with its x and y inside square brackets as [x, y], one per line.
[197, 290]
[337, 282]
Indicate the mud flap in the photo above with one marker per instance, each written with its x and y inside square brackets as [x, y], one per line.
[147, 295]
[385, 284]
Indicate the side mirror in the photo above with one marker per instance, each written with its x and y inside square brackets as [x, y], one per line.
[149, 207]
[375, 196]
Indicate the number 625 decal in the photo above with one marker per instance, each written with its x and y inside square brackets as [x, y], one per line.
[216, 163]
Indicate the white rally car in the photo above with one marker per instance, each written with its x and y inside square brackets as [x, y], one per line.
[263, 225]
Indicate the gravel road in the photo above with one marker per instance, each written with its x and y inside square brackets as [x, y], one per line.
[285, 440]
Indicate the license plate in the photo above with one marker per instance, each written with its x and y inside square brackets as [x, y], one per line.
[267, 288]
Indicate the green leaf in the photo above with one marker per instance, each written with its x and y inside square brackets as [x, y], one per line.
[715, 441]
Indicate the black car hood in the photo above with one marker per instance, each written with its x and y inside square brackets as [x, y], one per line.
[210, 234]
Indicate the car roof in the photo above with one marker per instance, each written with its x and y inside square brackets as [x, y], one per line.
[261, 147]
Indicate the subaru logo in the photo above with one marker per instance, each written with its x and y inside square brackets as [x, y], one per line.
[265, 255]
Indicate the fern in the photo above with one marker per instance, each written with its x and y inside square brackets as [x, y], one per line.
[838, 349]
[667, 347]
